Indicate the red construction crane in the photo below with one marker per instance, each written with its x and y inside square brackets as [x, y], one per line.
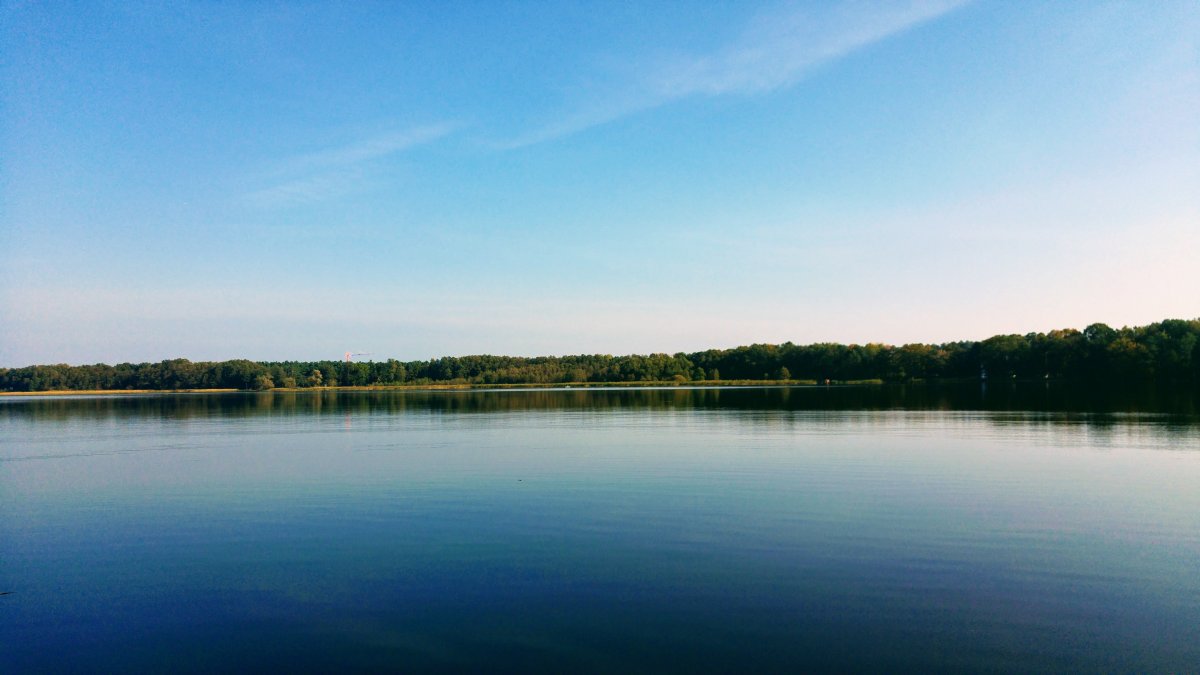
[350, 355]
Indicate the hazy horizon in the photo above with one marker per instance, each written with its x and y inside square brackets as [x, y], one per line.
[375, 357]
[289, 182]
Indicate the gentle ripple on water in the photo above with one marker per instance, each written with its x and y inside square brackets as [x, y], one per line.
[685, 531]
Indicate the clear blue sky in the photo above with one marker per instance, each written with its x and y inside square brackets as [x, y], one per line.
[294, 180]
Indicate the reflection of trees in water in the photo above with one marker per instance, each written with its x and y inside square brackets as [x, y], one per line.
[1102, 405]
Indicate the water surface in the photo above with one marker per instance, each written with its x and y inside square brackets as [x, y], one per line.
[634, 530]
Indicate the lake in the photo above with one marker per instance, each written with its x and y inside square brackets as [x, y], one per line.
[1015, 529]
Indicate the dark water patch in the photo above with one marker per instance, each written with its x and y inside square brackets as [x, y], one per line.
[1178, 403]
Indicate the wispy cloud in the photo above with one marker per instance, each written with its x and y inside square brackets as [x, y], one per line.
[775, 50]
[311, 188]
[375, 147]
[333, 172]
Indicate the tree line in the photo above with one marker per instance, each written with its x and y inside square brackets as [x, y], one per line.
[1164, 351]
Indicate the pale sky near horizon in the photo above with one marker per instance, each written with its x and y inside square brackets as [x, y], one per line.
[294, 180]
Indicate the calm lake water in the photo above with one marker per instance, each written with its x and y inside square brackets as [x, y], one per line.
[686, 530]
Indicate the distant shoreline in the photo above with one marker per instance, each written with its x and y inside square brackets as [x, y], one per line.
[116, 392]
[1167, 351]
[451, 387]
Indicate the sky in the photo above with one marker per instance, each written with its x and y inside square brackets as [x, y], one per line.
[295, 180]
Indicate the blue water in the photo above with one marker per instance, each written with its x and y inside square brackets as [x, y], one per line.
[686, 531]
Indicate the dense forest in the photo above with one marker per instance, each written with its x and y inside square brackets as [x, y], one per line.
[1164, 351]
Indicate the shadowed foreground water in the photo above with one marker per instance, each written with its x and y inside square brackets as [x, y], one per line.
[661, 530]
